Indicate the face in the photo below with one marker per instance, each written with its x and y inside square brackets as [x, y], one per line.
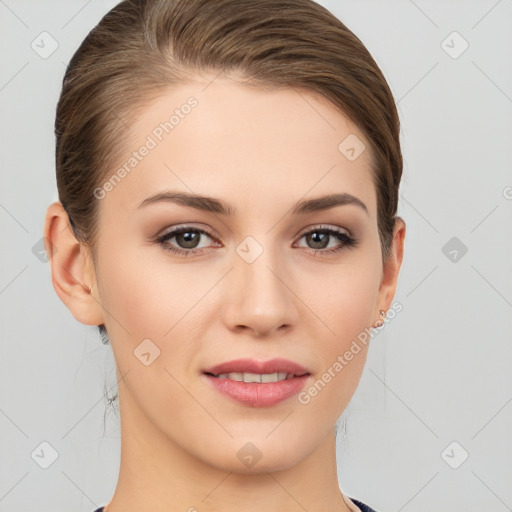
[263, 279]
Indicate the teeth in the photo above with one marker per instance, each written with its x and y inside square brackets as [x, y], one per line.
[256, 377]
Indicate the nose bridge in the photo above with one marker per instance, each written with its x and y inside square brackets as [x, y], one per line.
[260, 299]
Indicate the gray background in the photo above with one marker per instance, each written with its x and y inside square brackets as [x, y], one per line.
[438, 373]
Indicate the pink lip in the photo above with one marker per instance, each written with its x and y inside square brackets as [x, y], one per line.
[253, 366]
[256, 394]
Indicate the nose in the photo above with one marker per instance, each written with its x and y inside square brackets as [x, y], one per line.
[260, 296]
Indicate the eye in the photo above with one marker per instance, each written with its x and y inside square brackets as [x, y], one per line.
[187, 238]
[320, 237]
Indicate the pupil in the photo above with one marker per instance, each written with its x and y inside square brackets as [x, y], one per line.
[323, 237]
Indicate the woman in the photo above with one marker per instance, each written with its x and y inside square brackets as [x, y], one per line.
[228, 177]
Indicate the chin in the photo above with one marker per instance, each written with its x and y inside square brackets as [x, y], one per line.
[259, 455]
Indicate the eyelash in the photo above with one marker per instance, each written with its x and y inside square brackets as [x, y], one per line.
[348, 241]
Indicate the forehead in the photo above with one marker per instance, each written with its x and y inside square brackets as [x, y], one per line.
[249, 145]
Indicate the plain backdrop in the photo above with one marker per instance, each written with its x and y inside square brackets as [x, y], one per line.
[429, 427]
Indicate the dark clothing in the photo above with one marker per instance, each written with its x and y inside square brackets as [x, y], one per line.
[362, 506]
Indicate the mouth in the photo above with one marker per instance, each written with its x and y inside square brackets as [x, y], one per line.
[257, 384]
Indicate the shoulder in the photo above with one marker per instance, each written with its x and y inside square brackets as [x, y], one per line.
[362, 506]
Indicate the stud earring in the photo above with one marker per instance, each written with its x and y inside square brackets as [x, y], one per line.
[380, 323]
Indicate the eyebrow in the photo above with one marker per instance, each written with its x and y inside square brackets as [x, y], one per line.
[211, 204]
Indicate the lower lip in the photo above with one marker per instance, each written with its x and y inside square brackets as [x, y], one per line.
[256, 394]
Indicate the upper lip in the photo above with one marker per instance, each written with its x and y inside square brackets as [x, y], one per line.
[254, 366]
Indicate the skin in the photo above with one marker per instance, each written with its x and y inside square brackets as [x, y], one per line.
[260, 151]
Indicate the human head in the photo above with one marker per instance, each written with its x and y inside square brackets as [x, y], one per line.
[142, 49]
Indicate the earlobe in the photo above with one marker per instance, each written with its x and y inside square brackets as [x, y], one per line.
[72, 271]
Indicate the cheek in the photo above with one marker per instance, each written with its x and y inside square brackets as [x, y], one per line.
[347, 306]
[144, 295]
[348, 299]
[341, 356]
[146, 307]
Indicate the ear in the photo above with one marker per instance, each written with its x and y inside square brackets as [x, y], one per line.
[73, 274]
[392, 267]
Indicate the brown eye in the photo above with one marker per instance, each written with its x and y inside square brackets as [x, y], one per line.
[187, 240]
[318, 239]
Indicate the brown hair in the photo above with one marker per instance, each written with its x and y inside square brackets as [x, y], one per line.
[143, 46]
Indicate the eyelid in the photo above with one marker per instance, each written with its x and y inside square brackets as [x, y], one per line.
[321, 227]
[178, 227]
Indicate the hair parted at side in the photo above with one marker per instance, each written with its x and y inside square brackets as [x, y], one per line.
[141, 47]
